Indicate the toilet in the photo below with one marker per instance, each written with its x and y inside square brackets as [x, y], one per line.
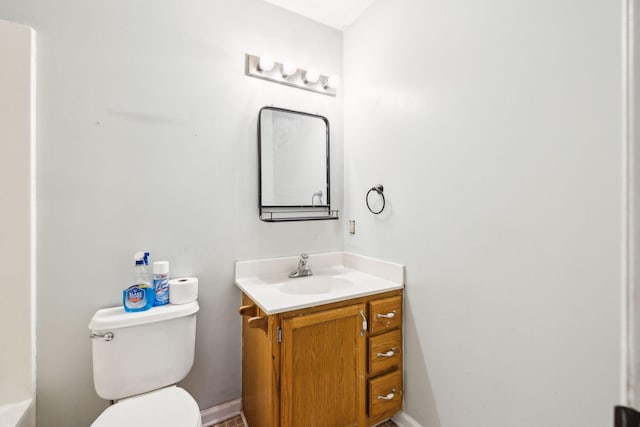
[137, 360]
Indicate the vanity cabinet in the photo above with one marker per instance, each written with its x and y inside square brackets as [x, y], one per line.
[323, 368]
[333, 365]
[385, 358]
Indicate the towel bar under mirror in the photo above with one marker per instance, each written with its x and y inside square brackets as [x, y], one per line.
[294, 166]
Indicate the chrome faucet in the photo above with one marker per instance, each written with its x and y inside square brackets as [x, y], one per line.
[304, 267]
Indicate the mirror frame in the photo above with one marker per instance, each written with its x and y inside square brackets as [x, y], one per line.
[280, 213]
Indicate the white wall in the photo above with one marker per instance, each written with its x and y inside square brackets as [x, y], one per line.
[147, 140]
[494, 126]
[633, 308]
[16, 382]
[496, 130]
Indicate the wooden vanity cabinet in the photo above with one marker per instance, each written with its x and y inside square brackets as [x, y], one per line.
[385, 358]
[320, 366]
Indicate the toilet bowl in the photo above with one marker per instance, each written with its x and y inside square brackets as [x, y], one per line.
[167, 407]
[137, 360]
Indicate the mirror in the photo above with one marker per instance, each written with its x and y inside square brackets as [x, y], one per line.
[293, 150]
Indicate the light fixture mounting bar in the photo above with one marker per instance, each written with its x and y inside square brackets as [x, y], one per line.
[295, 80]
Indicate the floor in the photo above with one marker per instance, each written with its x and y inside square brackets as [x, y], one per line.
[231, 422]
[237, 422]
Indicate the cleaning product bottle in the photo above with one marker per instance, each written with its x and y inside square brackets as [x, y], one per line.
[140, 295]
[161, 282]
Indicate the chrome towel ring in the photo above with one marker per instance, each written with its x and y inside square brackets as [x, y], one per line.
[378, 189]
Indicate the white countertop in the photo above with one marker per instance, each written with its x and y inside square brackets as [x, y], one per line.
[337, 276]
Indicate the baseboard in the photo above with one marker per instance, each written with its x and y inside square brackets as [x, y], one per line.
[221, 412]
[404, 420]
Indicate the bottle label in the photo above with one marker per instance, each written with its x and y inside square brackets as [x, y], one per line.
[161, 286]
[135, 296]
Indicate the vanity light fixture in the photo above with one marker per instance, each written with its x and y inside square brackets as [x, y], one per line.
[289, 69]
[266, 64]
[311, 76]
[333, 82]
[288, 73]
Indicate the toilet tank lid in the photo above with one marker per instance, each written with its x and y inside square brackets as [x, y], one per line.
[116, 317]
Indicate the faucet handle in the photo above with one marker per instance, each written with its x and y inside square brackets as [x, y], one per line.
[304, 256]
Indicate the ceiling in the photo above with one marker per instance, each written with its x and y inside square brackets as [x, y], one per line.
[334, 13]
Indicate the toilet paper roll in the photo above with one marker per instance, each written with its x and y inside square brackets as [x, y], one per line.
[183, 290]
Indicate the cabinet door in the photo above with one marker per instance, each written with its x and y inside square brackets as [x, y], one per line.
[323, 369]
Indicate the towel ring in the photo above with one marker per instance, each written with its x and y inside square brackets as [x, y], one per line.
[378, 189]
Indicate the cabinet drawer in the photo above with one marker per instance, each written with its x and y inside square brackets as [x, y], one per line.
[385, 351]
[385, 314]
[385, 396]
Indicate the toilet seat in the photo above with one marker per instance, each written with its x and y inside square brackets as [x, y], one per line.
[167, 407]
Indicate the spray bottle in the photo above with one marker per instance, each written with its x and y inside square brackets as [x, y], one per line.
[139, 296]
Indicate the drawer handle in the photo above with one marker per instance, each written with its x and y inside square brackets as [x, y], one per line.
[389, 353]
[388, 396]
[364, 323]
[386, 316]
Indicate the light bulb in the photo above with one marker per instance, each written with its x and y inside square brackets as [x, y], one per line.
[333, 82]
[311, 76]
[289, 69]
[265, 64]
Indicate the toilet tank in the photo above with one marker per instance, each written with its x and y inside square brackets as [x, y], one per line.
[134, 353]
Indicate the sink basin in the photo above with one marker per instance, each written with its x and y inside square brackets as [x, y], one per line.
[314, 285]
[266, 282]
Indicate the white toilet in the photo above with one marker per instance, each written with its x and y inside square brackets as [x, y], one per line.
[138, 358]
